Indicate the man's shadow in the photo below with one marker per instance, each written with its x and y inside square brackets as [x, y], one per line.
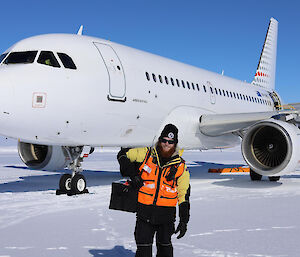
[117, 251]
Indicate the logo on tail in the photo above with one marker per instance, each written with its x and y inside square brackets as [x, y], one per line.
[265, 73]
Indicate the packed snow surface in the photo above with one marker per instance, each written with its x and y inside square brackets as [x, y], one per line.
[230, 215]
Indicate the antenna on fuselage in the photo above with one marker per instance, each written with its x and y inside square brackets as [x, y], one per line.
[80, 30]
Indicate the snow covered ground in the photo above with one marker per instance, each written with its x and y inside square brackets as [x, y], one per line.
[230, 215]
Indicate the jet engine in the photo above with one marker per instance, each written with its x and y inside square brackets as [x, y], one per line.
[44, 157]
[271, 147]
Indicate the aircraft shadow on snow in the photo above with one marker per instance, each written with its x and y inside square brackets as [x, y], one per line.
[117, 251]
[198, 170]
[51, 181]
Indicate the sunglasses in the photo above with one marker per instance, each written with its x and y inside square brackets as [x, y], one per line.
[171, 142]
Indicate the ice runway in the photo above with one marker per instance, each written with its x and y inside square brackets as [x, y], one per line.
[230, 215]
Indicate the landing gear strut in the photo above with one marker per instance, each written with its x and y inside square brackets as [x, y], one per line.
[75, 183]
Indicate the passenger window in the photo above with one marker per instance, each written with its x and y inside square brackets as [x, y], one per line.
[227, 93]
[204, 88]
[216, 91]
[182, 82]
[160, 79]
[224, 92]
[198, 87]
[48, 58]
[147, 76]
[68, 62]
[234, 95]
[167, 81]
[21, 57]
[188, 84]
[154, 77]
[230, 94]
[172, 81]
[177, 81]
[193, 86]
[211, 90]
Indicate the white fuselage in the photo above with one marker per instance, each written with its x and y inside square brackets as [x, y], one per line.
[109, 100]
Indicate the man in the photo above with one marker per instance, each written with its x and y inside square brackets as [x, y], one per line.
[162, 178]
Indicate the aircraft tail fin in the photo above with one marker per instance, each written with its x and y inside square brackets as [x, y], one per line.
[265, 72]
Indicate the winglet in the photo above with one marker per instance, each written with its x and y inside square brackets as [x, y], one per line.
[265, 72]
[80, 30]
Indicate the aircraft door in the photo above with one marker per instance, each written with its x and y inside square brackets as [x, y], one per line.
[117, 84]
[211, 90]
[276, 100]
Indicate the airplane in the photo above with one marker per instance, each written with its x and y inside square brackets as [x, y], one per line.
[62, 95]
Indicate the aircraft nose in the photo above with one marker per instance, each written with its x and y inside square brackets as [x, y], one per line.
[6, 94]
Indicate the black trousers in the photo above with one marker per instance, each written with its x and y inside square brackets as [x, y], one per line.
[144, 234]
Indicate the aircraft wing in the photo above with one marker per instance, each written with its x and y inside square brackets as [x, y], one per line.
[220, 124]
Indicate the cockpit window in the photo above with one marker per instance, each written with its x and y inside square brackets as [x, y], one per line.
[48, 58]
[2, 56]
[67, 61]
[21, 57]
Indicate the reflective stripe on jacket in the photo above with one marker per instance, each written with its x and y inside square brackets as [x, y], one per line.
[163, 186]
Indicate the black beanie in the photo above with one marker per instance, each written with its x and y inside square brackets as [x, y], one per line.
[170, 131]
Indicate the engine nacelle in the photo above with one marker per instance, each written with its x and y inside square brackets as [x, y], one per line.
[271, 147]
[43, 157]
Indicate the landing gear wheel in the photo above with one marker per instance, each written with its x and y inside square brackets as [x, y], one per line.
[274, 178]
[64, 184]
[255, 176]
[78, 184]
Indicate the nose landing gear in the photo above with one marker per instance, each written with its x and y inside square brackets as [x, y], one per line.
[76, 183]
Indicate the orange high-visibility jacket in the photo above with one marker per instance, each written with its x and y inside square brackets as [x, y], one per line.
[160, 187]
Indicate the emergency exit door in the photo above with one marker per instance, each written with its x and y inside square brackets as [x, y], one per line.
[211, 92]
[117, 85]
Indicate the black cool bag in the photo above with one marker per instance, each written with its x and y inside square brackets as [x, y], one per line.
[123, 197]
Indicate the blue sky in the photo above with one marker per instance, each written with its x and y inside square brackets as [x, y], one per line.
[215, 35]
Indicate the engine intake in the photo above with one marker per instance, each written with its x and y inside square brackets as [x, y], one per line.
[45, 157]
[271, 147]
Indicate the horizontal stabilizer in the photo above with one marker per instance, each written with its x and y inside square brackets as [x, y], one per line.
[80, 30]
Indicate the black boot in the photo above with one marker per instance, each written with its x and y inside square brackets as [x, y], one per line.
[143, 251]
[164, 250]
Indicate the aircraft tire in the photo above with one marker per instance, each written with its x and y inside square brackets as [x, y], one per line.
[78, 184]
[274, 178]
[65, 183]
[255, 176]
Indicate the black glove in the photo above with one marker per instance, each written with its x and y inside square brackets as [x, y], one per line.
[184, 216]
[127, 168]
[182, 227]
[136, 182]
